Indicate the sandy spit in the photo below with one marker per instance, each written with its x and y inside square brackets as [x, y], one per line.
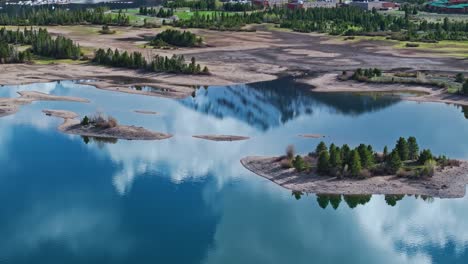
[221, 137]
[71, 125]
[448, 183]
[9, 106]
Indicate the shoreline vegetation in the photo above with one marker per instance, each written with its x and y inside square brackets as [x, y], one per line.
[342, 170]
[102, 127]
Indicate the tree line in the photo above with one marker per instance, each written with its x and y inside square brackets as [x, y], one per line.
[176, 38]
[10, 54]
[405, 160]
[42, 43]
[336, 21]
[135, 60]
[26, 16]
[197, 4]
[158, 12]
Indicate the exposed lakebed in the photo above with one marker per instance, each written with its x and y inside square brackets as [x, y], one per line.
[120, 200]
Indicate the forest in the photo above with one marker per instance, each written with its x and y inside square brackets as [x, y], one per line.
[41, 16]
[42, 43]
[135, 60]
[10, 54]
[336, 21]
[176, 38]
[158, 12]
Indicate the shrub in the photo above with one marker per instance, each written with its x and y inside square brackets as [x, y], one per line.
[286, 163]
[100, 121]
[429, 169]
[299, 164]
[412, 45]
[405, 173]
[424, 156]
[365, 173]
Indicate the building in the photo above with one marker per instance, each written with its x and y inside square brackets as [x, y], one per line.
[270, 3]
[378, 5]
[449, 6]
[296, 4]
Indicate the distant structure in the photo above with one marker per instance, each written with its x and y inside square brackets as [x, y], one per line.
[378, 5]
[449, 6]
[270, 3]
[296, 4]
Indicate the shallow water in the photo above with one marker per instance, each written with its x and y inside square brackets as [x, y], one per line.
[187, 200]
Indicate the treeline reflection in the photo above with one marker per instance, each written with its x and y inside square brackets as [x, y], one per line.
[354, 200]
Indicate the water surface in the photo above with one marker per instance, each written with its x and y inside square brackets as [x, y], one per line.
[187, 200]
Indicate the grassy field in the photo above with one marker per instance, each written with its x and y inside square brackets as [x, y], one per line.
[449, 48]
[47, 61]
[430, 17]
[457, 49]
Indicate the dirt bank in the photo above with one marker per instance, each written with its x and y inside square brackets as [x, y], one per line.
[221, 137]
[329, 83]
[232, 57]
[9, 106]
[71, 125]
[448, 183]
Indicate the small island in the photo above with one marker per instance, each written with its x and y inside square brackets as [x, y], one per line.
[221, 137]
[101, 126]
[359, 171]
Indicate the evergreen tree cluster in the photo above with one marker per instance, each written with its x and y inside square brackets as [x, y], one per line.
[26, 16]
[158, 12]
[9, 54]
[363, 161]
[360, 74]
[238, 7]
[135, 60]
[192, 4]
[176, 38]
[336, 21]
[42, 43]
[222, 20]
[465, 87]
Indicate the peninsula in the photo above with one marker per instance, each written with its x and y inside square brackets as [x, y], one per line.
[359, 171]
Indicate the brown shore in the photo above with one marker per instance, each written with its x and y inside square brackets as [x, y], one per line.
[71, 125]
[329, 83]
[446, 183]
[233, 58]
[9, 106]
[221, 137]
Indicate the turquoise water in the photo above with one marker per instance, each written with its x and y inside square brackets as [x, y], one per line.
[186, 200]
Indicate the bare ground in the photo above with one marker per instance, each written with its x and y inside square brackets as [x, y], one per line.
[71, 125]
[232, 57]
[447, 183]
[329, 83]
[9, 106]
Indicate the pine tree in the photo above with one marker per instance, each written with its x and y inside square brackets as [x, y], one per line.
[323, 163]
[355, 163]
[320, 147]
[413, 148]
[335, 158]
[402, 149]
[394, 162]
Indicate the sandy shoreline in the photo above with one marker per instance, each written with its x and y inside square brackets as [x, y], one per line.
[71, 125]
[9, 106]
[448, 183]
[329, 83]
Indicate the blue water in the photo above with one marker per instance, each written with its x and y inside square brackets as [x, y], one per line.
[186, 200]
